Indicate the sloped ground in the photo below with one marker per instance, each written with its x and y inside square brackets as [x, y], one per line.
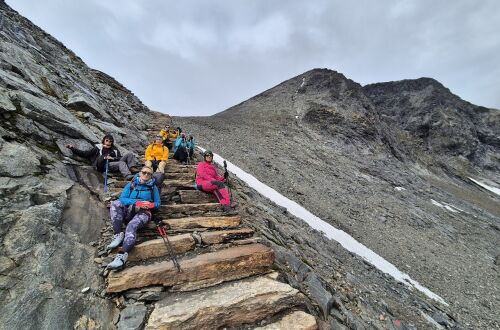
[352, 179]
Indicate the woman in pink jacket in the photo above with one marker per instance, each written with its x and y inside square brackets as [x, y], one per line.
[208, 180]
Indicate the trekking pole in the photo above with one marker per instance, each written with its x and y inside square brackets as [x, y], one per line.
[227, 181]
[106, 177]
[163, 234]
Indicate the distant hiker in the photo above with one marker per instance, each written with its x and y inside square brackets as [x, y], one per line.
[106, 150]
[168, 134]
[157, 155]
[208, 180]
[190, 146]
[181, 152]
[142, 188]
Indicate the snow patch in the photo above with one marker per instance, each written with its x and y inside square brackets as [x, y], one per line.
[347, 241]
[447, 206]
[485, 186]
[399, 188]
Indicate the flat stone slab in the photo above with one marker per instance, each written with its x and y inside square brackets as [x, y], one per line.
[201, 271]
[204, 222]
[223, 236]
[196, 196]
[156, 247]
[228, 305]
[180, 176]
[297, 320]
[189, 208]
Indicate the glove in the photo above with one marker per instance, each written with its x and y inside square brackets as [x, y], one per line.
[226, 175]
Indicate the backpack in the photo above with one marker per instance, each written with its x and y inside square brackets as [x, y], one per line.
[158, 181]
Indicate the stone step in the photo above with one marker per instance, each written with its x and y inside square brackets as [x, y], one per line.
[181, 183]
[204, 222]
[224, 236]
[182, 243]
[156, 247]
[196, 196]
[201, 271]
[179, 176]
[228, 305]
[188, 209]
[297, 320]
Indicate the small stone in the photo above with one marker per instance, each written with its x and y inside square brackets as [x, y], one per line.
[85, 290]
[98, 260]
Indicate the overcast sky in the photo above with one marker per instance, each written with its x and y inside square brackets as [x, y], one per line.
[200, 57]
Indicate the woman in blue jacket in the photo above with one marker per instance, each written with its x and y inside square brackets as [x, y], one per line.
[141, 188]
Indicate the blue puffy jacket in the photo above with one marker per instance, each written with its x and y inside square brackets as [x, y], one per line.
[180, 143]
[147, 191]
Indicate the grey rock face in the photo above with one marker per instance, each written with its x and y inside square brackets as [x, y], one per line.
[132, 317]
[49, 97]
[17, 160]
[341, 150]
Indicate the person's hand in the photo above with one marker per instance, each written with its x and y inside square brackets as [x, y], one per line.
[108, 157]
[69, 146]
[226, 175]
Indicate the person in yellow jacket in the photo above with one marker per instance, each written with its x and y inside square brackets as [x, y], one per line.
[168, 134]
[157, 154]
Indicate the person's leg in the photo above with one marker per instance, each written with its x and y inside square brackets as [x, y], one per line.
[224, 196]
[137, 222]
[117, 212]
[148, 163]
[119, 167]
[129, 159]
[161, 166]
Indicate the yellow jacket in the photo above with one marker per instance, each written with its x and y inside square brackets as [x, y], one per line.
[165, 135]
[156, 152]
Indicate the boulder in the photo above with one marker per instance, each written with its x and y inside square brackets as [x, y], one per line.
[17, 160]
[228, 305]
[298, 320]
[233, 263]
[132, 317]
[81, 102]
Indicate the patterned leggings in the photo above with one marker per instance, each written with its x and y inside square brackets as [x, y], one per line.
[119, 213]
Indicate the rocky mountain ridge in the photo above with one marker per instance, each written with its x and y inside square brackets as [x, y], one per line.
[389, 164]
[53, 211]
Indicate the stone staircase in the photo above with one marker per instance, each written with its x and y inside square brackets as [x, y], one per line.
[226, 278]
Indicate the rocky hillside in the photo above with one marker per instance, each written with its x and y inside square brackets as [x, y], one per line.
[50, 220]
[387, 163]
[319, 138]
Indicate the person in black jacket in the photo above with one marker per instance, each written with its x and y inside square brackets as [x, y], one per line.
[107, 151]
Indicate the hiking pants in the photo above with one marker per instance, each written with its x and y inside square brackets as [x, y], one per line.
[123, 165]
[119, 213]
[161, 165]
[219, 190]
[181, 154]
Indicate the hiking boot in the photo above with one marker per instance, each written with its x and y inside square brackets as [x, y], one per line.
[118, 262]
[228, 210]
[117, 240]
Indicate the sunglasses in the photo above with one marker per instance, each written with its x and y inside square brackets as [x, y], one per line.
[146, 173]
[208, 156]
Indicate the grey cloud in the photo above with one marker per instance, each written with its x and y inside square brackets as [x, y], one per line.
[200, 57]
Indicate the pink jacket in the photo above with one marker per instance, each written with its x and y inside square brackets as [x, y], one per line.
[207, 172]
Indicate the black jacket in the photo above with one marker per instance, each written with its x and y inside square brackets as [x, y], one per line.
[96, 155]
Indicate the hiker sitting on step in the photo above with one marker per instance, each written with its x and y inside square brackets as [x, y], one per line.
[181, 149]
[106, 150]
[208, 180]
[157, 155]
[166, 135]
[125, 210]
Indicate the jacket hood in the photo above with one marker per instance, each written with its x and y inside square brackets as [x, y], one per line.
[148, 183]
